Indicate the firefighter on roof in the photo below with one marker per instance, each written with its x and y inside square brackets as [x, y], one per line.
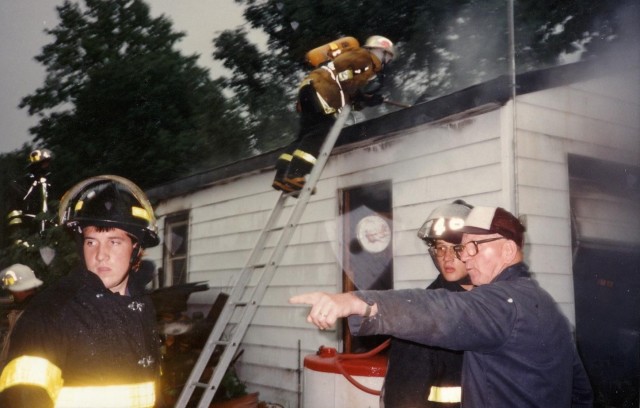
[355, 77]
[90, 338]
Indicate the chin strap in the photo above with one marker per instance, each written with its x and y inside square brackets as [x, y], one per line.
[136, 257]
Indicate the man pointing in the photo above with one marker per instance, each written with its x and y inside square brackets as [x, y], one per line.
[519, 349]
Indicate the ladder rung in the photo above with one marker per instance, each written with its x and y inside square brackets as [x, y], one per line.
[256, 266]
[220, 343]
[201, 385]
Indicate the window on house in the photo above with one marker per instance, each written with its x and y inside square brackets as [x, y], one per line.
[367, 227]
[176, 240]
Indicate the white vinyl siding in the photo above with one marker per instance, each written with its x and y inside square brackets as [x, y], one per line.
[428, 166]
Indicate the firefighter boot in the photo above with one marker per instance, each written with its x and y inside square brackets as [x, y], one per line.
[301, 165]
[281, 169]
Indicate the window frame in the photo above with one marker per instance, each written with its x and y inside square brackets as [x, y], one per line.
[172, 222]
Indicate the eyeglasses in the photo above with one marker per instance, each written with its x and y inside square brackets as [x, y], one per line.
[441, 251]
[471, 247]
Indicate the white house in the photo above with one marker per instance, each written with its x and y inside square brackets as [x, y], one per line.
[565, 157]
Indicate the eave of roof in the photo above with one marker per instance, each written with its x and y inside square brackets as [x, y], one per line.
[493, 92]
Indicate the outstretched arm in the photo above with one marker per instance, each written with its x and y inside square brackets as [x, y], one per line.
[326, 308]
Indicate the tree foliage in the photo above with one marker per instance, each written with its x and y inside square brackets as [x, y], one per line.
[266, 96]
[119, 98]
[28, 243]
[442, 46]
[12, 167]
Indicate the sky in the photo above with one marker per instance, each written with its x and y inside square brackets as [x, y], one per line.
[21, 38]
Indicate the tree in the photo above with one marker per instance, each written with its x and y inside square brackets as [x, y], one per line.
[265, 95]
[12, 166]
[119, 99]
[49, 252]
[443, 46]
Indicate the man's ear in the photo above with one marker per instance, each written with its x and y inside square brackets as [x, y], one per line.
[509, 251]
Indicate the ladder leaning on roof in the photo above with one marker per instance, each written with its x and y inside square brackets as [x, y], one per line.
[248, 308]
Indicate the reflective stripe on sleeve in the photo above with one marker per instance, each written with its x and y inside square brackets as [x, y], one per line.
[445, 394]
[34, 371]
[140, 395]
[40, 372]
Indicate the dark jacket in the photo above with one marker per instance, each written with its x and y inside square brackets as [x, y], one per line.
[93, 336]
[519, 349]
[413, 369]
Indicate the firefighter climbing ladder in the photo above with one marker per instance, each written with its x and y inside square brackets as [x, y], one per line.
[248, 308]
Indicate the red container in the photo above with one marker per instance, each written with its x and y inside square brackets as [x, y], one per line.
[337, 380]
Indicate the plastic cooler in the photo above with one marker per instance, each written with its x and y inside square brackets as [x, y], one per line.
[326, 386]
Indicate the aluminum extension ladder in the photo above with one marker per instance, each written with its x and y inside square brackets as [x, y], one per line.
[248, 308]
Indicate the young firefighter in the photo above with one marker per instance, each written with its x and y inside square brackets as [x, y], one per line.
[354, 77]
[90, 339]
[518, 347]
[419, 376]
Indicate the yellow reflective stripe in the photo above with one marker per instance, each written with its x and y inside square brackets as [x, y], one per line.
[35, 371]
[111, 396]
[445, 394]
[39, 372]
[14, 213]
[140, 395]
[140, 212]
[285, 157]
[305, 156]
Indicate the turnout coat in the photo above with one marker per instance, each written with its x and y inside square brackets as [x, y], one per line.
[78, 341]
[420, 376]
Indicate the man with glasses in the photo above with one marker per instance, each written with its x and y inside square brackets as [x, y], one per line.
[420, 376]
[519, 349]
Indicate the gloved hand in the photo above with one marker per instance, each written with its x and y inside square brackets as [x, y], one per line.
[367, 100]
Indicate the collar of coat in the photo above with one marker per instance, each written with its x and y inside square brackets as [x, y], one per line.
[519, 270]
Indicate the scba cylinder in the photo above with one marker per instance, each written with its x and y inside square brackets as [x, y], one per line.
[328, 52]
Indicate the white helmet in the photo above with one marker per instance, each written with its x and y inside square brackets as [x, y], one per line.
[445, 222]
[19, 278]
[381, 43]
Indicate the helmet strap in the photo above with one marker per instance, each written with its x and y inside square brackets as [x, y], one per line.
[136, 257]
